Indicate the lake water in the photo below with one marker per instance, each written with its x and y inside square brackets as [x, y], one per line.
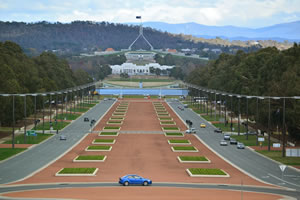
[142, 91]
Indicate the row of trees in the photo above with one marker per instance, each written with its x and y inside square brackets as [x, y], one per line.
[86, 36]
[183, 65]
[21, 74]
[267, 72]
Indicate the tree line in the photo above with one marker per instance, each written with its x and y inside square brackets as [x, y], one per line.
[86, 36]
[267, 72]
[22, 74]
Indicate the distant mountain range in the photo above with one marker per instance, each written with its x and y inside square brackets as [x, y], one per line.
[279, 32]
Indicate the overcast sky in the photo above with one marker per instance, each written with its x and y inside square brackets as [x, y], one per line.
[245, 13]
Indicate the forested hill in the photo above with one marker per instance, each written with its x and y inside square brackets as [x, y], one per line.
[44, 73]
[85, 36]
[267, 72]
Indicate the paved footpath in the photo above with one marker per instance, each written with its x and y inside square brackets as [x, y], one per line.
[247, 160]
[32, 160]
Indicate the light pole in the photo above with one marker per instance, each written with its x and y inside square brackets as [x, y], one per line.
[283, 129]
[23, 95]
[35, 95]
[43, 112]
[269, 124]
[239, 112]
[247, 116]
[216, 106]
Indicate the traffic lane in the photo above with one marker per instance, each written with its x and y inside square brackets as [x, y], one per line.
[250, 167]
[37, 157]
[7, 189]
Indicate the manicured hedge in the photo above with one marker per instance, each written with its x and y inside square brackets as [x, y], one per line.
[193, 158]
[91, 157]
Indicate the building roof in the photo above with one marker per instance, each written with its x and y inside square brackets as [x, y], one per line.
[109, 49]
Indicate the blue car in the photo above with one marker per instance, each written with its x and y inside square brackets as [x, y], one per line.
[133, 179]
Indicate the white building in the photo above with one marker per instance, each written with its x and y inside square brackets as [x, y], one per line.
[133, 69]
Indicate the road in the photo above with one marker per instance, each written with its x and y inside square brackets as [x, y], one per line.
[294, 194]
[36, 158]
[245, 159]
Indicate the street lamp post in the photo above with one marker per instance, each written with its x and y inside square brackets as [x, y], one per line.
[43, 112]
[239, 113]
[25, 119]
[269, 124]
[14, 123]
[283, 129]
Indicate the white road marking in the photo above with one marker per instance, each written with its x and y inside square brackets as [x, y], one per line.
[284, 180]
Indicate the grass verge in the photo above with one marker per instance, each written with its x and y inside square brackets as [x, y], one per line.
[277, 155]
[90, 157]
[99, 148]
[193, 158]
[179, 141]
[58, 125]
[109, 133]
[203, 171]
[185, 148]
[170, 128]
[8, 152]
[30, 139]
[77, 171]
[173, 134]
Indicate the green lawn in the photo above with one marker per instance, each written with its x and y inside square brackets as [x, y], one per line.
[141, 80]
[59, 125]
[211, 118]
[165, 118]
[184, 148]
[8, 152]
[89, 105]
[167, 122]
[111, 127]
[179, 141]
[277, 155]
[202, 171]
[91, 157]
[109, 133]
[99, 147]
[77, 171]
[174, 134]
[228, 129]
[68, 116]
[251, 140]
[171, 128]
[6, 128]
[79, 109]
[30, 139]
[114, 122]
[104, 140]
[193, 158]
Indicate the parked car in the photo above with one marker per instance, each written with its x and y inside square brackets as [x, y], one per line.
[202, 125]
[223, 143]
[226, 137]
[133, 179]
[240, 145]
[233, 141]
[218, 130]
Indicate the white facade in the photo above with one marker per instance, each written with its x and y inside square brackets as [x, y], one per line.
[133, 69]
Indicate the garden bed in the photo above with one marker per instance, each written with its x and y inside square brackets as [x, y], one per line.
[202, 172]
[98, 148]
[174, 134]
[167, 123]
[115, 122]
[118, 114]
[193, 159]
[108, 133]
[116, 118]
[90, 158]
[163, 115]
[111, 128]
[179, 142]
[170, 129]
[77, 172]
[165, 118]
[104, 141]
[184, 149]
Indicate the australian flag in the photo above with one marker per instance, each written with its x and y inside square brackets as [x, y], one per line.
[138, 17]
